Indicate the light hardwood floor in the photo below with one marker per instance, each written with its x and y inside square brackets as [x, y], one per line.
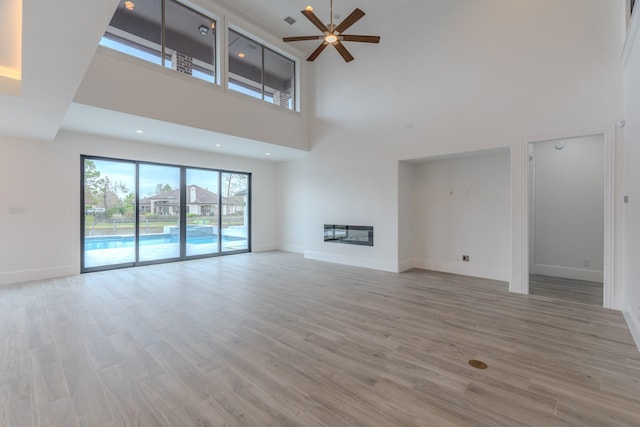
[566, 289]
[272, 339]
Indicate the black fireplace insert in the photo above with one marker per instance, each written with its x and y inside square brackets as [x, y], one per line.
[350, 234]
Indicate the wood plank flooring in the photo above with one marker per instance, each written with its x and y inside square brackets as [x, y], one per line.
[272, 339]
[566, 289]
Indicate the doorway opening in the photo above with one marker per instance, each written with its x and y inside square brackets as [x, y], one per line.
[569, 239]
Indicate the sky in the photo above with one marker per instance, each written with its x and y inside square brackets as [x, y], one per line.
[152, 175]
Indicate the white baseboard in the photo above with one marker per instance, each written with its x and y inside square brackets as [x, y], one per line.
[373, 264]
[569, 272]
[265, 248]
[462, 268]
[406, 265]
[21, 276]
[299, 249]
[633, 322]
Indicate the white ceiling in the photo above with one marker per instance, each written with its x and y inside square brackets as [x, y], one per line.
[97, 121]
[54, 63]
[272, 13]
[54, 60]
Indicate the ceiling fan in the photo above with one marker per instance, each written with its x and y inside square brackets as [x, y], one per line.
[333, 35]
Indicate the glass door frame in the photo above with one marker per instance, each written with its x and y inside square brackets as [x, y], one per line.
[183, 215]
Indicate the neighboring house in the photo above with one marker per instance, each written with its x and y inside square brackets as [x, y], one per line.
[200, 201]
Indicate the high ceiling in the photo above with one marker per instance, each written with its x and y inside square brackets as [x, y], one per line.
[272, 13]
[53, 65]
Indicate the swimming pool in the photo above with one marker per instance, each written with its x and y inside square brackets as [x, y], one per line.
[114, 242]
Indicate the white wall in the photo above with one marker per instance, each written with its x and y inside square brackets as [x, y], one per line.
[568, 229]
[476, 75]
[293, 202]
[40, 184]
[406, 215]
[632, 181]
[163, 94]
[462, 207]
[349, 184]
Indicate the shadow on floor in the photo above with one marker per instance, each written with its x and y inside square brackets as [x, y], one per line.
[566, 289]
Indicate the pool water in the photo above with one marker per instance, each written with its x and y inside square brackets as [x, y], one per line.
[114, 242]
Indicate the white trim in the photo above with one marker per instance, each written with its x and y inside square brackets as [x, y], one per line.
[609, 206]
[354, 261]
[265, 248]
[634, 326]
[21, 276]
[461, 268]
[407, 264]
[569, 272]
[299, 249]
[632, 32]
[609, 218]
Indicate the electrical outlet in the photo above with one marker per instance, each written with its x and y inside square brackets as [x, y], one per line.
[465, 258]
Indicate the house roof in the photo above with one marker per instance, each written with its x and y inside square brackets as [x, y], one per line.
[203, 196]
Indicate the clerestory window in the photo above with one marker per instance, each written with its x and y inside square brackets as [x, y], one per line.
[258, 71]
[167, 33]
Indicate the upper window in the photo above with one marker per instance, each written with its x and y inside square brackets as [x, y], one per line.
[186, 43]
[260, 72]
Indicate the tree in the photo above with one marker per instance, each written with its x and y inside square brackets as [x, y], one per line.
[91, 176]
[160, 188]
[109, 191]
[231, 185]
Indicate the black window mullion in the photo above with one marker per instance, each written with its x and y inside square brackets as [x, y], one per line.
[262, 73]
[136, 238]
[163, 41]
[82, 211]
[183, 212]
[249, 207]
[219, 212]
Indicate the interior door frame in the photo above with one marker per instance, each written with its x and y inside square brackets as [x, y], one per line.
[609, 206]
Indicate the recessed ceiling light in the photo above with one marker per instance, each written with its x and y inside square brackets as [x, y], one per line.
[129, 5]
[217, 145]
[309, 8]
[139, 131]
[241, 55]
[268, 154]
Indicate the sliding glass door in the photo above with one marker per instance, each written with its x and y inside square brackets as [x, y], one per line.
[203, 212]
[108, 212]
[141, 213]
[235, 212]
[160, 207]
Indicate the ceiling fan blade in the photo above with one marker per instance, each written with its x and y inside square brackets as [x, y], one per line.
[350, 20]
[363, 39]
[301, 38]
[315, 20]
[317, 52]
[343, 52]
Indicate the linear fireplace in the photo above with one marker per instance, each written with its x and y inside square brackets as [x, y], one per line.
[350, 234]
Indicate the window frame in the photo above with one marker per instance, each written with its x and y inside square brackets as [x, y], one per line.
[136, 42]
[183, 214]
[263, 46]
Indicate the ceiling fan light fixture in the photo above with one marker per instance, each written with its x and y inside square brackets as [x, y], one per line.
[334, 34]
[331, 38]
